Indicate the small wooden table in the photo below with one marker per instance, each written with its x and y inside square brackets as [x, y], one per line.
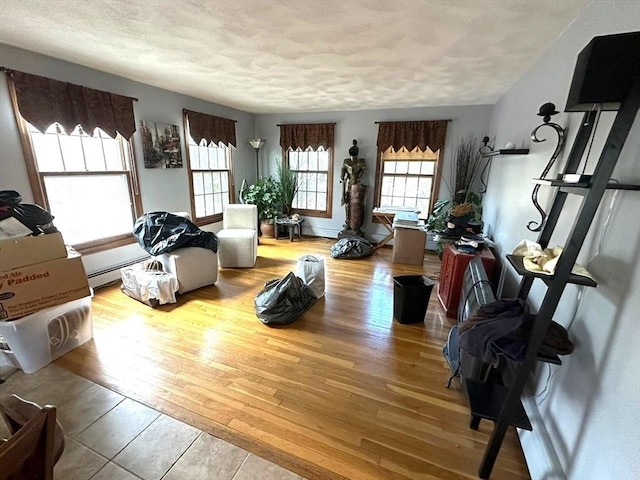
[291, 225]
[386, 219]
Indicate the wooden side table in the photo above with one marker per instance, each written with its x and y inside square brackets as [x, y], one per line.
[452, 270]
[292, 225]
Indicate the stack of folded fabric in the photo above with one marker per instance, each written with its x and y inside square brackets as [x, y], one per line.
[470, 243]
[539, 260]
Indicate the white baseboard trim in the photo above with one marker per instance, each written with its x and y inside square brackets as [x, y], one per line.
[331, 233]
[372, 237]
[542, 461]
[104, 279]
[319, 232]
[431, 245]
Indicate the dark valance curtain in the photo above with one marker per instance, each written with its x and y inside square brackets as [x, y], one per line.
[307, 135]
[421, 134]
[211, 128]
[43, 101]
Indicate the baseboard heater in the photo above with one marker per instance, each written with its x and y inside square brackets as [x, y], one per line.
[114, 268]
[477, 291]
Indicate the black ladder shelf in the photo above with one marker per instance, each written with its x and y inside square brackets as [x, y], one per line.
[500, 403]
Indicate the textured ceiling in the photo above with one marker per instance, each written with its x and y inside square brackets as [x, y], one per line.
[299, 55]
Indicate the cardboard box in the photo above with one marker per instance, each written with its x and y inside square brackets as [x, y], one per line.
[26, 290]
[36, 340]
[409, 246]
[22, 251]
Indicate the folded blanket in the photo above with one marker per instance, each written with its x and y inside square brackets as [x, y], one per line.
[539, 260]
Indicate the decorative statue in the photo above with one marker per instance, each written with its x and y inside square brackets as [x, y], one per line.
[353, 192]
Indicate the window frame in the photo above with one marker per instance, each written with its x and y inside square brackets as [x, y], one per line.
[435, 183]
[218, 216]
[36, 181]
[327, 213]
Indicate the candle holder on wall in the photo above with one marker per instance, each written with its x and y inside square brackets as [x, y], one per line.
[486, 150]
[546, 111]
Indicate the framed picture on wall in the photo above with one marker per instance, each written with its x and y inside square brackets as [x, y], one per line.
[161, 145]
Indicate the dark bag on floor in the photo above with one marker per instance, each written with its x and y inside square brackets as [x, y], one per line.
[283, 300]
[351, 247]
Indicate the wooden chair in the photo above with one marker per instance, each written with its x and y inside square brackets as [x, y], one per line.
[36, 443]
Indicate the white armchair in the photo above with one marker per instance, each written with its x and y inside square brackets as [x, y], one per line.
[238, 246]
[194, 267]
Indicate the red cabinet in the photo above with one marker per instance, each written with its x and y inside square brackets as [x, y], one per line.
[452, 270]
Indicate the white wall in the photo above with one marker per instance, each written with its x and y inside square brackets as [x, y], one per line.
[360, 125]
[586, 421]
[168, 189]
[586, 418]
[162, 189]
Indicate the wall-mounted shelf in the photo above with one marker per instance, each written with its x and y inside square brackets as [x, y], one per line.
[507, 151]
[518, 265]
[486, 401]
[562, 183]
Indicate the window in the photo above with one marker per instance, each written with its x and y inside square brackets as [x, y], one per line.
[312, 170]
[408, 170]
[408, 179]
[210, 139]
[308, 151]
[87, 183]
[80, 164]
[209, 167]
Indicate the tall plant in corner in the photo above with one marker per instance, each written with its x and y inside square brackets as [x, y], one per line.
[288, 182]
[466, 167]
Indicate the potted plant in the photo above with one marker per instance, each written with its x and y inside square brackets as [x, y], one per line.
[265, 194]
[467, 163]
[288, 182]
[466, 168]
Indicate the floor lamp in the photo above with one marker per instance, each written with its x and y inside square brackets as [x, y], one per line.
[257, 143]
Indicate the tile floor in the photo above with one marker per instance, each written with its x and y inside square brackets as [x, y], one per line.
[111, 437]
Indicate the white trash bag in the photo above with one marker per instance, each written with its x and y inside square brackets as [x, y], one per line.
[311, 271]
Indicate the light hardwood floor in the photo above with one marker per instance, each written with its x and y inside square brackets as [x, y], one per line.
[343, 392]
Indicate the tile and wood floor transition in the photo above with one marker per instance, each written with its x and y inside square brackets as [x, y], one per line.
[342, 393]
[112, 437]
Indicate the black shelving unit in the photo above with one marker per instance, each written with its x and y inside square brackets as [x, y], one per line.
[583, 185]
[501, 403]
[507, 151]
[487, 399]
[518, 265]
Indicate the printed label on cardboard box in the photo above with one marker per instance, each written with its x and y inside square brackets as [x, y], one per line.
[28, 289]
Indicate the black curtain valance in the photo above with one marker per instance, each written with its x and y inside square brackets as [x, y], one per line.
[211, 128]
[306, 135]
[43, 101]
[412, 134]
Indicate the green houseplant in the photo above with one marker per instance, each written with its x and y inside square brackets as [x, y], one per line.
[466, 168]
[288, 183]
[467, 163]
[265, 194]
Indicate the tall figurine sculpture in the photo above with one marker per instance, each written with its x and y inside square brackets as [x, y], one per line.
[353, 192]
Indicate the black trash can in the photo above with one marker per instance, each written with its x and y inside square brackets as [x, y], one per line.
[411, 297]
